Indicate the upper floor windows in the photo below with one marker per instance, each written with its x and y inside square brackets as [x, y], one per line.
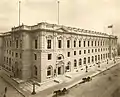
[36, 46]
[84, 43]
[68, 43]
[16, 43]
[35, 56]
[79, 43]
[68, 54]
[84, 51]
[74, 52]
[95, 43]
[74, 43]
[88, 43]
[59, 43]
[79, 52]
[48, 44]
[49, 56]
[92, 43]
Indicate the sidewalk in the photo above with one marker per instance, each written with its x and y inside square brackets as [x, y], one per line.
[76, 79]
[67, 81]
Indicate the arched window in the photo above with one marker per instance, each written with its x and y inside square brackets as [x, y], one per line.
[49, 71]
[35, 70]
[75, 63]
[68, 66]
[80, 61]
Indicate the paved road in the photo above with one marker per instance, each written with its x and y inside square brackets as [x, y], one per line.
[11, 92]
[106, 84]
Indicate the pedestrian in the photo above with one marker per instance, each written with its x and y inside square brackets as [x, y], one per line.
[5, 89]
[4, 95]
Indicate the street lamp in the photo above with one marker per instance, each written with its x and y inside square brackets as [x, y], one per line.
[33, 92]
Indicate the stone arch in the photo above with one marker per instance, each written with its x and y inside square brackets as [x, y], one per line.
[49, 70]
[60, 57]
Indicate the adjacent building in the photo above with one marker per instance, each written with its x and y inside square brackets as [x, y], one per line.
[45, 51]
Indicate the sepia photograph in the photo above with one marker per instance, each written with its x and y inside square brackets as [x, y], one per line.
[59, 48]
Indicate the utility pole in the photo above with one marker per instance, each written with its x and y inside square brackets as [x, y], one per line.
[58, 10]
[19, 12]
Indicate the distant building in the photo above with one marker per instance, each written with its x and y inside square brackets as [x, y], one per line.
[44, 51]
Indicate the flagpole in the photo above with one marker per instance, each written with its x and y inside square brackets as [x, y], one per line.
[19, 12]
[58, 10]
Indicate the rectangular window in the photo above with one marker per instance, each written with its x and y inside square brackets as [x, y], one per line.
[84, 51]
[79, 52]
[88, 51]
[88, 43]
[35, 56]
[84, 43]
[10, 43]
[68, 43]
[68, 54]
[74, 43]
[59, 43]
[49, 56]
[79, 43]
[49, 44]
[92, 58]
[95, 43]
[95, 50]
[74, 52]
[36, 44]
[16, 55]
[98, 43]
[92, 43]
[84, 60]
[16, 43]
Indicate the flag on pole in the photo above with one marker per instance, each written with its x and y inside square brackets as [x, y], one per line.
[110, 26]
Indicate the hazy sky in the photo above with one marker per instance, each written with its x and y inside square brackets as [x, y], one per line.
[87, 14]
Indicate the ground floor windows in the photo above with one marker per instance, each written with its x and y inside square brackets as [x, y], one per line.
[92, 58]
[88, 59]
[84, 60]
[49, 71]
[75, 63]
[80, 62]
[68, 66]
[35, 70]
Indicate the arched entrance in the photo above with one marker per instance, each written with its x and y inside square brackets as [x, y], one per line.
[60, 65]
[60, 68]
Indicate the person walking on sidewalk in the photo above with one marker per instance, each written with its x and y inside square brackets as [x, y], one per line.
[5, 90]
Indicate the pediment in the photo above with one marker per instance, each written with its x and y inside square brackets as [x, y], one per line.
[61, 30]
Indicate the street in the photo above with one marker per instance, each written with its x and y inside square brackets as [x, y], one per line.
[11, 92]
[106, 84]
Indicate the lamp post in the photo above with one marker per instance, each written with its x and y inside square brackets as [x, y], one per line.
[33, 92]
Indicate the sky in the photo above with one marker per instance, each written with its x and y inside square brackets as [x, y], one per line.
[94, 15]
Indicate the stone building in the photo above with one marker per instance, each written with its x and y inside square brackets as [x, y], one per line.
[44, 51]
